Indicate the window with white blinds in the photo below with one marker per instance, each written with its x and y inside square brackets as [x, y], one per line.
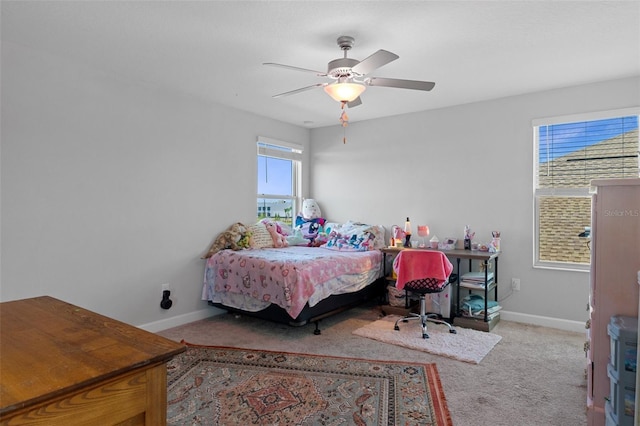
[571, 151]
[571, 154]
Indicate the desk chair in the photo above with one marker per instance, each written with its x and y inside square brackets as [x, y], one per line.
[422, 272]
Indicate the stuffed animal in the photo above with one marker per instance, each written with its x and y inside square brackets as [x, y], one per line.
[279, 240]
[235, 237]
[310, 220]
[310, 209]
[278, 227]
[296, 238]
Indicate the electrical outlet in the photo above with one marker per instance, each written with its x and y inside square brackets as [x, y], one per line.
[515, 284]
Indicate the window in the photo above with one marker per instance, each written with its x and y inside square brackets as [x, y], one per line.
[569, 153]
[279, 171]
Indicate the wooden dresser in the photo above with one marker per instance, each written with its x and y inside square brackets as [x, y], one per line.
[64, 365]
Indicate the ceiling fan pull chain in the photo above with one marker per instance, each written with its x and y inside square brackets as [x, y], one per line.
[344, 121]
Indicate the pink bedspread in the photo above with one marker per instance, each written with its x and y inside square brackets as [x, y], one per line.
[284, 276]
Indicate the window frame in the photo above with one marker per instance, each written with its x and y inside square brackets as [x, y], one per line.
[540, 193]
[292, 152]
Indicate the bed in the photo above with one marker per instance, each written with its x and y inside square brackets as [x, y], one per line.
[296, 285]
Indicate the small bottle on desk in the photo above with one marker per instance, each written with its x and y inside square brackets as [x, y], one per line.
[467, 237]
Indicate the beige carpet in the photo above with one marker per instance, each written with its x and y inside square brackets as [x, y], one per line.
[466, 345]
[534, 376]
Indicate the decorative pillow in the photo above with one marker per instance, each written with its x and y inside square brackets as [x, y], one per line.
[330, 226]
[354, 236]
[378, 231]
[260, 237]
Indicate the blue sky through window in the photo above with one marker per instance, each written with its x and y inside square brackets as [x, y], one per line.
[558, 140]
[274, 176]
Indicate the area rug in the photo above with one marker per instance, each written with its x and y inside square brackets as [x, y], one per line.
[210, 385]
[467, 345]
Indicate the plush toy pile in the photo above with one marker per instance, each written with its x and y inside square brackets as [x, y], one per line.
[310, 230]
[235, 237]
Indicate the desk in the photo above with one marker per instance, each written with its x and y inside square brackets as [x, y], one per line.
[64, 365]
[482, 256]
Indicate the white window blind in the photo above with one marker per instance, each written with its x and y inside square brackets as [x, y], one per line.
[279, 149]
[571, 154]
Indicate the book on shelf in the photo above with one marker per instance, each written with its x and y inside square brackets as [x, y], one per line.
[481, 316]
[477, 313]
[475, 280]
[472, 285]
[477, 276]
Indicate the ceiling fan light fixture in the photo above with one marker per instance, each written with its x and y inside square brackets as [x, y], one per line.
[344, 92]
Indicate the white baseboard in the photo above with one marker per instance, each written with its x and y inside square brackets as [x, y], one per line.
[562, 324]
[164, 324]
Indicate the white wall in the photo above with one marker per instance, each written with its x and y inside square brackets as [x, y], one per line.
[111, 188]
[470, 164]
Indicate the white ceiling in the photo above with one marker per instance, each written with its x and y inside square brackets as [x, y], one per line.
[214, 50]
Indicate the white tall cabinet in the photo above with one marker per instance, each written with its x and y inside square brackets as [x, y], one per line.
[615, 262]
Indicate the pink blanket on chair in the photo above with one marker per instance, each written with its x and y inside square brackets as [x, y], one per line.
[414, 264]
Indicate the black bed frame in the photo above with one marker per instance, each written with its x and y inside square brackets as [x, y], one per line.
[323, 309]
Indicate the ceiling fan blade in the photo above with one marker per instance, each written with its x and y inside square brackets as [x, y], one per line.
[273, 64]
[302, 89]
[354, 103]
[375, 61]
[401, 84]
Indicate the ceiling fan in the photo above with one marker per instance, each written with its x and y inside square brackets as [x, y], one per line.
[350, 75]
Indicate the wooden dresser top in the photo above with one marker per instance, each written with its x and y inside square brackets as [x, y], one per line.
[49, 347]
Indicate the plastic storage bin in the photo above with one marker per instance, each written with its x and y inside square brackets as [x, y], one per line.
[623, 332]
[622, 398]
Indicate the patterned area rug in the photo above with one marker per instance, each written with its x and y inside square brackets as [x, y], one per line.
[230, 386]
[466, 345]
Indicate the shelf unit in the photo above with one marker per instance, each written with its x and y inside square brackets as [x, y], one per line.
[491, 285]
[483, 324]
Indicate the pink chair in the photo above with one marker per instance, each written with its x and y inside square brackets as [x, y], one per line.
[422, 272]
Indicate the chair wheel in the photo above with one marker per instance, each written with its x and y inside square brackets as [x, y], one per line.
[396, 328]
[425, 336]
[452, 331]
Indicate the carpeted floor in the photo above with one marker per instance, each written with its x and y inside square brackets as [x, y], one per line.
[230, 386]
[534, 376]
